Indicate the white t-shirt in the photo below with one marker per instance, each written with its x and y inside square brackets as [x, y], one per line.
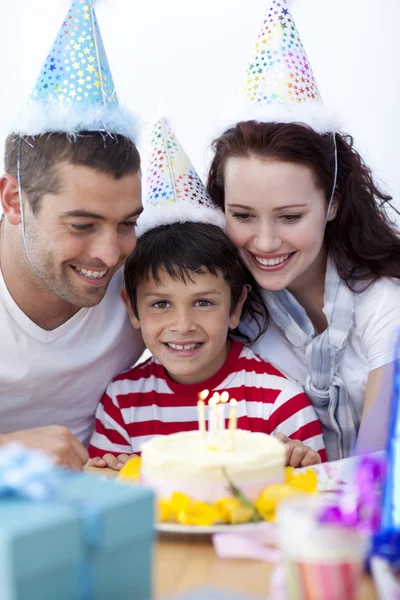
[58, 377]
[370, 345]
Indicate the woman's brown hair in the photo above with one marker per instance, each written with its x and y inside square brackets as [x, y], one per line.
[363, 241]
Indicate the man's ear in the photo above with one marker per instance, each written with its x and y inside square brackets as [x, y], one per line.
[133, 318]
[9, 196]
[234, 318]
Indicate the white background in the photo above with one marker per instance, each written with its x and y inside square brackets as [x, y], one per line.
[186, 58]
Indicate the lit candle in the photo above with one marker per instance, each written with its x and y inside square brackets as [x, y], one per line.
[224, 397]
[232, 426]
[221, 414]
[201, 411]
[212, 423]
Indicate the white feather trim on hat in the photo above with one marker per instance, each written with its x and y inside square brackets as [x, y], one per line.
[37, 119]
[313, 114]
[167, 213]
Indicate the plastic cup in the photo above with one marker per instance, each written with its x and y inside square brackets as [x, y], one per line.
[322, 562]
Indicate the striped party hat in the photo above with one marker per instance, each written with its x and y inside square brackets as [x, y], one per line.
[279, 84]
[75, 90]
[175, 192]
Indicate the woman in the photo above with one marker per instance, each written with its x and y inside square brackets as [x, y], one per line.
[309, 222]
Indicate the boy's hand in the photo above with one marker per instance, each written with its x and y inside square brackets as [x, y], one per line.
[109, 460]
[297, 453]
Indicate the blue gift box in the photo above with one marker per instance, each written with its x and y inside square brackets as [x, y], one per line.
[91, 541]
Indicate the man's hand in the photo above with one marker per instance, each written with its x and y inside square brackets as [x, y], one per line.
[297, 453]
[109, 460]
[55, 440]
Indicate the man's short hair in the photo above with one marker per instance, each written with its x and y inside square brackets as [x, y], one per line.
[39, 156]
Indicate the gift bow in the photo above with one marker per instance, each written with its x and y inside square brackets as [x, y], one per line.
[26, 474]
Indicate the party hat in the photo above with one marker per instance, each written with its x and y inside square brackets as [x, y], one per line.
[387, 541]
[75, 90]
[279, 83]
[175, 192]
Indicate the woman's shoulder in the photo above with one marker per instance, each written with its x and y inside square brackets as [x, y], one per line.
[377, 320]
[381, 295]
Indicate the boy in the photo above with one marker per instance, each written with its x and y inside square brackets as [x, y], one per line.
[186, 291]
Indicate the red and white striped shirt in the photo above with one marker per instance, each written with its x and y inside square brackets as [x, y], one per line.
[144, 402]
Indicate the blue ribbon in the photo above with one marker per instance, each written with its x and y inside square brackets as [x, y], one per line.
[31, 475]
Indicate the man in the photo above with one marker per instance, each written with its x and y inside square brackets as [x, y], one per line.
[70, 198]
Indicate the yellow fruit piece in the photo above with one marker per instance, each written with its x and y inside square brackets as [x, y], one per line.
[179, 503]
[165, 512]
[198, 513]
[131, 469]
[306, 481]
[289, 474]
[268, 500]
[230, 510]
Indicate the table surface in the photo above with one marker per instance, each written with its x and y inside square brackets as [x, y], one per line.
[186, 562]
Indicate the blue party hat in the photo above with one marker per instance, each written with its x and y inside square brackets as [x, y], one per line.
[387, 541]
[75, 90]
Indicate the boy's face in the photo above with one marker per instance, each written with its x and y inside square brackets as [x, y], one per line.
[185, 325]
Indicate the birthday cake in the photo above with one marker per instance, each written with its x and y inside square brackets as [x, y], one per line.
[185, 462]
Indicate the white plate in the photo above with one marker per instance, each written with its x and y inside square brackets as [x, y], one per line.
[211, 529]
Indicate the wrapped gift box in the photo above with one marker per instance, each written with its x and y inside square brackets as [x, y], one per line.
[91, 541]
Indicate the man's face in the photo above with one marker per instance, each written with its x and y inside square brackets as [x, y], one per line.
[80, 236]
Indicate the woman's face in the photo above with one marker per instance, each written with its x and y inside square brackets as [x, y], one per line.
[275, 215]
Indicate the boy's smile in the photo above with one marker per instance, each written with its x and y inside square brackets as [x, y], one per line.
[185, 324]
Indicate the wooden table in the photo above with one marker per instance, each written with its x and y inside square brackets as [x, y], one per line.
[183, 563]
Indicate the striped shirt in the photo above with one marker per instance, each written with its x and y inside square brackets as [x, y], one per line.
[144, 402]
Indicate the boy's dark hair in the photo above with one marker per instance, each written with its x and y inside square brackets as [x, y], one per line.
[39, 156]
[182, 249]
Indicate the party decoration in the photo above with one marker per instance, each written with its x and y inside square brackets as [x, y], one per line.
[75, 90]
[175, 192]
[387, 540]
[358, 507]
[279, 70]
[279, 84]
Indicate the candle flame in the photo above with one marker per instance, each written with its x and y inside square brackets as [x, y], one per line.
[215, 397]
[233, 402]
[224, 397]
[203, 395]
[212, 401]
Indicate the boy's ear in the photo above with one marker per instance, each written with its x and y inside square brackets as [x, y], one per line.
[234, 318]
[125, 299]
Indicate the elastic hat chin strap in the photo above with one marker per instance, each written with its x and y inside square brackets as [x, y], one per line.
[21, 208]
[334, 181]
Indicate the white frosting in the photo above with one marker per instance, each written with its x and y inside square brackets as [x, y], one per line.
[182, 463]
